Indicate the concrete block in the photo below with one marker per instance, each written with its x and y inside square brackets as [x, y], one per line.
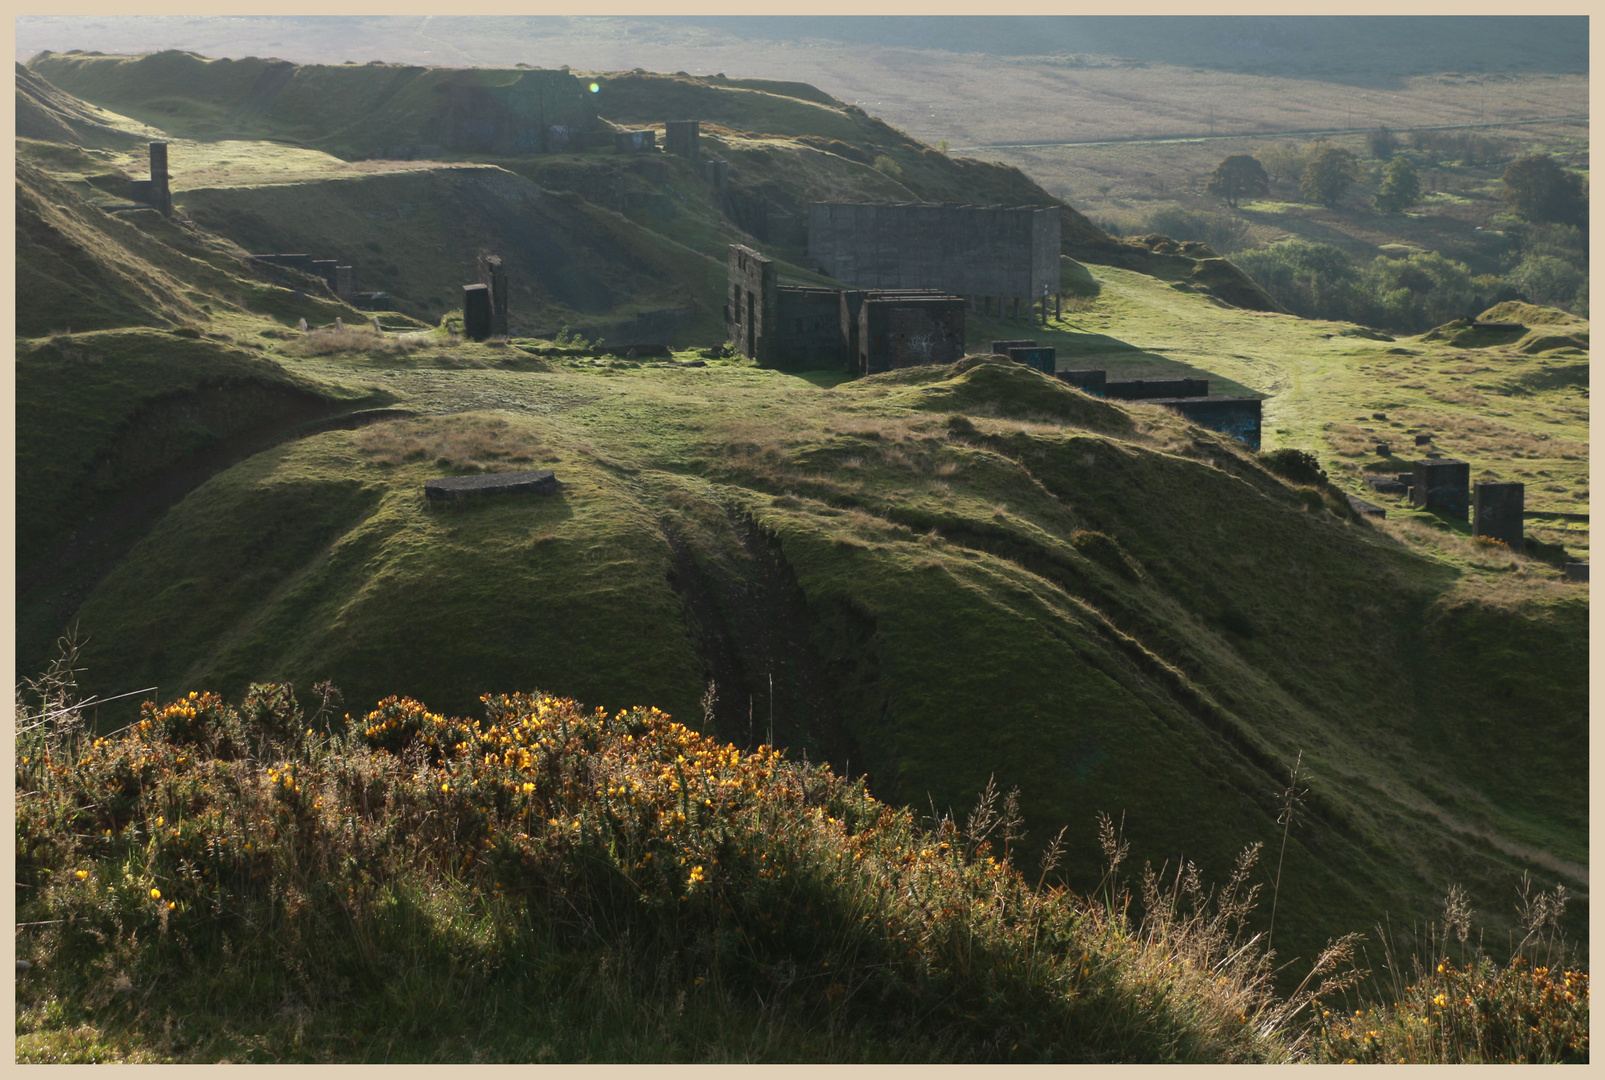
[1444, 486]
[1001, 348]
[536, 482]
[1498, 512]
[476, 312]
[1090, 381]
[681, 137]
[1043, 358]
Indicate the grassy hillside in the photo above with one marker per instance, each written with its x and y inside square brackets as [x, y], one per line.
[79, 268]
[900, 557]
[931, 579]
[765, 132]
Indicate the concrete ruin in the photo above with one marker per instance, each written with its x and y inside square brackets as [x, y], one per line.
[805, 328]
[897, 331]
[680, 137]
[1042, 357]
[535, 482]
[984, 253]
[1098, 382]
[157, 191]
[1443, 485]
[341, 279]
[1240, 417]
[635, 142]
[1498, 512]
[476, 312]
[493, 275]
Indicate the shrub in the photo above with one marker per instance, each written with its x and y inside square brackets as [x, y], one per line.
[1299, 466]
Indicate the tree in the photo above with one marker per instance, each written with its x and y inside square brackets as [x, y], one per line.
[1237, 176]
[1284, 161]
[1330, 173]
[1400, 187]
[1381, 143]
[1538, 189]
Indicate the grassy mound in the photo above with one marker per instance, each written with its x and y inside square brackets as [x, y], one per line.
[990, 386]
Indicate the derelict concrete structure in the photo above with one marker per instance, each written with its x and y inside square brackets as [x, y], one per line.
[978, 252]
[157, 191]
[813, 328]
[897, 331]
[1443, 485]
[1498, 512]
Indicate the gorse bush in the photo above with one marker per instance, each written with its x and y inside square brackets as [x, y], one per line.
[296, 866]
[206, 836]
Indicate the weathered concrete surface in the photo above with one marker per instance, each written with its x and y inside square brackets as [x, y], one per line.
[1443, 485]
[1497, 512]
[1237, 416]
[1009, 253]
[536, 482]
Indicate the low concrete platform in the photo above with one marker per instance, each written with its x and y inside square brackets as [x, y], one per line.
[537, 482]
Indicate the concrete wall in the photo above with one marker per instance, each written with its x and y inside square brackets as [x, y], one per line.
[962, 250]
[902, 331]
[808, 329]
[1147, 389]
[1042, 357]
[1237, 416]
[681, 137]
[751, 304]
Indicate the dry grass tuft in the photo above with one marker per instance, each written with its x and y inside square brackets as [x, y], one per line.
[329, 341]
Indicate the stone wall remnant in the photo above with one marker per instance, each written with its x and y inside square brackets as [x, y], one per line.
[1498, 511]
[156, 192]
[1443, 485]
[751, 304]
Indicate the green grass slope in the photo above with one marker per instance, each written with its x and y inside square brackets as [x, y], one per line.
[80, 268]
[1148, 621]
[415, 234]
[119, 425]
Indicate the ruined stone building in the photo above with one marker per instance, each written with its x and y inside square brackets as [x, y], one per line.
[864, 330]
[988, 254]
